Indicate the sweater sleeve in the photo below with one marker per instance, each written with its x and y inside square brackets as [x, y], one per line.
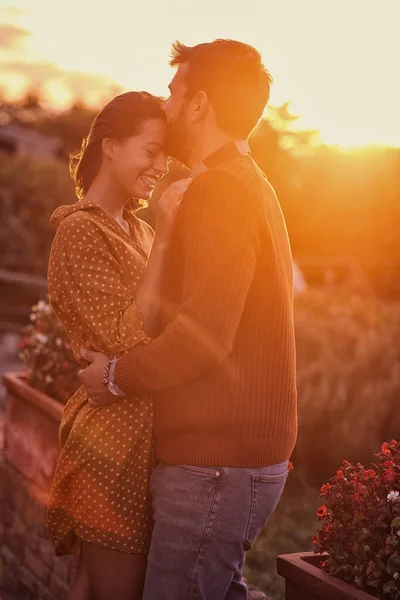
[219, 229]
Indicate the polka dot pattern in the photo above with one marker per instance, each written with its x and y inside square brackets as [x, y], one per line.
[100, 488]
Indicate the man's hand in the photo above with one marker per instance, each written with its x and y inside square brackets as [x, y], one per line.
[92, 379]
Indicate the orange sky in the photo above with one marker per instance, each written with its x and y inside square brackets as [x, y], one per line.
[337, 60]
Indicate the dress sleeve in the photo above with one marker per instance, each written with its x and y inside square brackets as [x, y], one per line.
[90, 285]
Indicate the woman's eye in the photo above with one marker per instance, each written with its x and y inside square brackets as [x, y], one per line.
[151, 153]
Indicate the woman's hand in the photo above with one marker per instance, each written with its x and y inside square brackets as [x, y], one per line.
[168, 204]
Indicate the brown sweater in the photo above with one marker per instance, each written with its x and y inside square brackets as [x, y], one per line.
[223, 369]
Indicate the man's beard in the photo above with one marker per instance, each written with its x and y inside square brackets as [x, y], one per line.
[178, 140]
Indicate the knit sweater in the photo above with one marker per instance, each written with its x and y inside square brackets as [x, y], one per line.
[223, 369]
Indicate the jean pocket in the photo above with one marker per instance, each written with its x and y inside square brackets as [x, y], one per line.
[266, 492]
[202, 471]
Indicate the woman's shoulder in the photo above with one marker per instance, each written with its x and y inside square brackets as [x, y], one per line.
[80, 226]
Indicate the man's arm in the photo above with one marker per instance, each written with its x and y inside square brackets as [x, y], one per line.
[220, 244]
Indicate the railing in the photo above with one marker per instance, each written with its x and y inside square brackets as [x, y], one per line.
[18, 291]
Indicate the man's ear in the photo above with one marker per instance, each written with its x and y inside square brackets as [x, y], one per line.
[108, 145]
[200, 106]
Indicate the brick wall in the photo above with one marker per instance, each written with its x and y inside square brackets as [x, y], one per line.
[29, 568]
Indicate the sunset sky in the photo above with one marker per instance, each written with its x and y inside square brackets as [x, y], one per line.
[337, 60]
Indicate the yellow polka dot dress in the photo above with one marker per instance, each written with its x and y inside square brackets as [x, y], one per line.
[100, 488]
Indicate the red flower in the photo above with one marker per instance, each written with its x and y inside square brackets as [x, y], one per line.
[290, 466]
[386, 449]
[389, 475]
[325, 489]
[356, 515]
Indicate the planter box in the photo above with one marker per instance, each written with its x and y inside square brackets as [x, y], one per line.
[32, 420]
[306, 581]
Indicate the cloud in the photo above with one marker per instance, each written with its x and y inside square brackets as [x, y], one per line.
[12, 36]
[11, 12]
[41, 75]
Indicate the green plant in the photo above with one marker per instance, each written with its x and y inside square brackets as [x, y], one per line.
[30, 189]
[47, 354]
[348, 376]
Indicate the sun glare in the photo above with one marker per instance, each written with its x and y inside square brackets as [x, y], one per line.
[334, 60]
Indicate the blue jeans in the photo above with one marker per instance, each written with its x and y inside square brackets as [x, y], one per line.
[205, 519]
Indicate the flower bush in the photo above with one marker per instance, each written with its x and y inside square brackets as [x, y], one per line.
[360, 524]
[46, 352]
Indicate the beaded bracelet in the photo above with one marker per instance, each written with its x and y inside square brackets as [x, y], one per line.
[106, 377]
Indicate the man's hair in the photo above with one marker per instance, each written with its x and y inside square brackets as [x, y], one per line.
[234, 78]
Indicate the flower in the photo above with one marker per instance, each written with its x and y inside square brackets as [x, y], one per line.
[392, 496]
[389, 475]
[43, 339]
[47, 353]
[43, 306]
[325, 489]
[360, 524]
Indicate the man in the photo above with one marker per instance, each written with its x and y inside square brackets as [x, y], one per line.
[223, 368]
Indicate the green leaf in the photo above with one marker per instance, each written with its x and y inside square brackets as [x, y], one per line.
[373, 581]
[393, 564]
[382, 521]
[395, 522]
[364, 535]
[389, 587]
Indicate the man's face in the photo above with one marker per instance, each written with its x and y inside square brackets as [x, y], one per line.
[179, 139]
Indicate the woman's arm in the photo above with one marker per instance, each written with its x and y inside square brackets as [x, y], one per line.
[148, 297]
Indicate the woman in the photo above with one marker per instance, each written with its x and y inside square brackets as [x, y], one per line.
[107, 301]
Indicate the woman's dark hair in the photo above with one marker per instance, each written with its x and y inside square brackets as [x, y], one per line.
[120, 118]
[234, 78]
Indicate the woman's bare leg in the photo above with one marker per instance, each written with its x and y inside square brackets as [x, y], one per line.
[80, 589]
[114, 574]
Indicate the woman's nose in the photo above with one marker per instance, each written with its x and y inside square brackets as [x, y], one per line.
[162, 164]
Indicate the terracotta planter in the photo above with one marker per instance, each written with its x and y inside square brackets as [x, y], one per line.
[32, 421]
[306, 581]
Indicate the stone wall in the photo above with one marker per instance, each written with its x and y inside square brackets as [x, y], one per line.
[29, 568]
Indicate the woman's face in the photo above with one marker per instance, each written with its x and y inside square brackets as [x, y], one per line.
[138, 162]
